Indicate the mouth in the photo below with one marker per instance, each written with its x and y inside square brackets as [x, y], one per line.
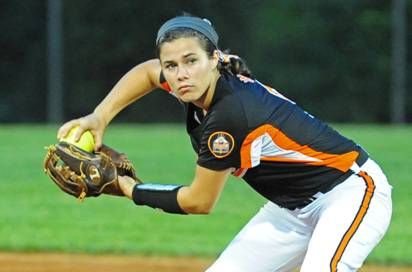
[184, 88]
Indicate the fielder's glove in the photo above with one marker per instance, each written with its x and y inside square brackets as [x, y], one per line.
[84, 174]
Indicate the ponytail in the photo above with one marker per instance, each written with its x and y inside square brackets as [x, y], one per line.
[233, 65]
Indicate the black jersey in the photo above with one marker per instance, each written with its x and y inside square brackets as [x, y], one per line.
[280, 150]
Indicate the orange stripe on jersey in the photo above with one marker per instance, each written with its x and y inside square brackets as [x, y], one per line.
[370, 188]
[341, 162]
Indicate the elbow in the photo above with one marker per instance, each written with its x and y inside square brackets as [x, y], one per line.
[199, 208]
[204, 210]
[193, 203]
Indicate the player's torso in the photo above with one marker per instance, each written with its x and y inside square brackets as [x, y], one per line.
[283, 152]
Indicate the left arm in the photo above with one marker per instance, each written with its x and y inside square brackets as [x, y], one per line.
[204, 191]
[199, 197]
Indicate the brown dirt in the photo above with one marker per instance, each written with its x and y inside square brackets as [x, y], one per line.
[57, 262]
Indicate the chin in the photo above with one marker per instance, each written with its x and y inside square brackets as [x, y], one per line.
[188, 98]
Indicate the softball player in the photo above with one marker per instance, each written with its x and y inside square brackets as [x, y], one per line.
[329, 203]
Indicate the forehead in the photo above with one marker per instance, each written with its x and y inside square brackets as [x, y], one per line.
[179, 48]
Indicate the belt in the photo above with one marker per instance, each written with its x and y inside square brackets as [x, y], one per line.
[362, 158]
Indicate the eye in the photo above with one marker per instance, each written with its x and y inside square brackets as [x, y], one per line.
[170, 66]
[191, 60]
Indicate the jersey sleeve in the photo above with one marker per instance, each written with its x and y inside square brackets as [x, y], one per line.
[164, 84]
[221, 139]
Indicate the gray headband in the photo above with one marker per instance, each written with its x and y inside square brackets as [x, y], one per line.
[200, 25]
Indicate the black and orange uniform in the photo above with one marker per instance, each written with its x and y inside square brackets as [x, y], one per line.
[280, 150]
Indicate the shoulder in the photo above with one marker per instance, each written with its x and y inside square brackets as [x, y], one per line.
[154, 72]
[236, 97]
[240, 82]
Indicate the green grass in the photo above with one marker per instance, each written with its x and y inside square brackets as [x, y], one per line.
[36, 216]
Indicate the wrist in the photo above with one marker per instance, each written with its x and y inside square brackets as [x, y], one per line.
[158, 196]
[102, 117]
[127, 185]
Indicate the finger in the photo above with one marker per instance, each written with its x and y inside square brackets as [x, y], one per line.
[79, 133]
[98, 141]
[64, 129]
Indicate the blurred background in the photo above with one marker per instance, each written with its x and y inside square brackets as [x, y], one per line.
[343, 61]
[346, 62]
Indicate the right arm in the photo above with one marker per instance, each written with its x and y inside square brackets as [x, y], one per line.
[136, 83]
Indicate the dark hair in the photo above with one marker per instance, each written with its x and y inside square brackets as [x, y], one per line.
[233, 65]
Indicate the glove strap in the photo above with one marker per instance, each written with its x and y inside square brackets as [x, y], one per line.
[82, 196]
[158, 196]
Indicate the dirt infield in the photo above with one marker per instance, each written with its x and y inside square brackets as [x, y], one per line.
[53, 262]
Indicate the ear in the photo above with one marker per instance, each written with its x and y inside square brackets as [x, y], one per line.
[215, 58]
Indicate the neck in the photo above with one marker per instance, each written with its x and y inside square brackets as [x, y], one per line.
[206, 99]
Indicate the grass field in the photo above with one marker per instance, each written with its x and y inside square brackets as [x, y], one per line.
[36, 216]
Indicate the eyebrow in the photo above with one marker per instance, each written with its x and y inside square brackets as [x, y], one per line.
[184, 57]
[188, 55]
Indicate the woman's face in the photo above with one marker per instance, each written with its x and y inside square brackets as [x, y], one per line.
[187, 68]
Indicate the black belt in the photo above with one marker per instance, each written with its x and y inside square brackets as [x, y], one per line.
[362, 158]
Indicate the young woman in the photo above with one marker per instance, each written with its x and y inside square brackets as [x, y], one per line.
[329, 203]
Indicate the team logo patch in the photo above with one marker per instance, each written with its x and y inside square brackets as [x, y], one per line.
[221, 144]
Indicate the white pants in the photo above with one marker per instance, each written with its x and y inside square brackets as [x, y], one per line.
[335, 232]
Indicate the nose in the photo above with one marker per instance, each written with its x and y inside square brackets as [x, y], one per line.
[182, 73]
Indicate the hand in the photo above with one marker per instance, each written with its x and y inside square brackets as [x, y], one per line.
[92, 122]
[127, 184]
